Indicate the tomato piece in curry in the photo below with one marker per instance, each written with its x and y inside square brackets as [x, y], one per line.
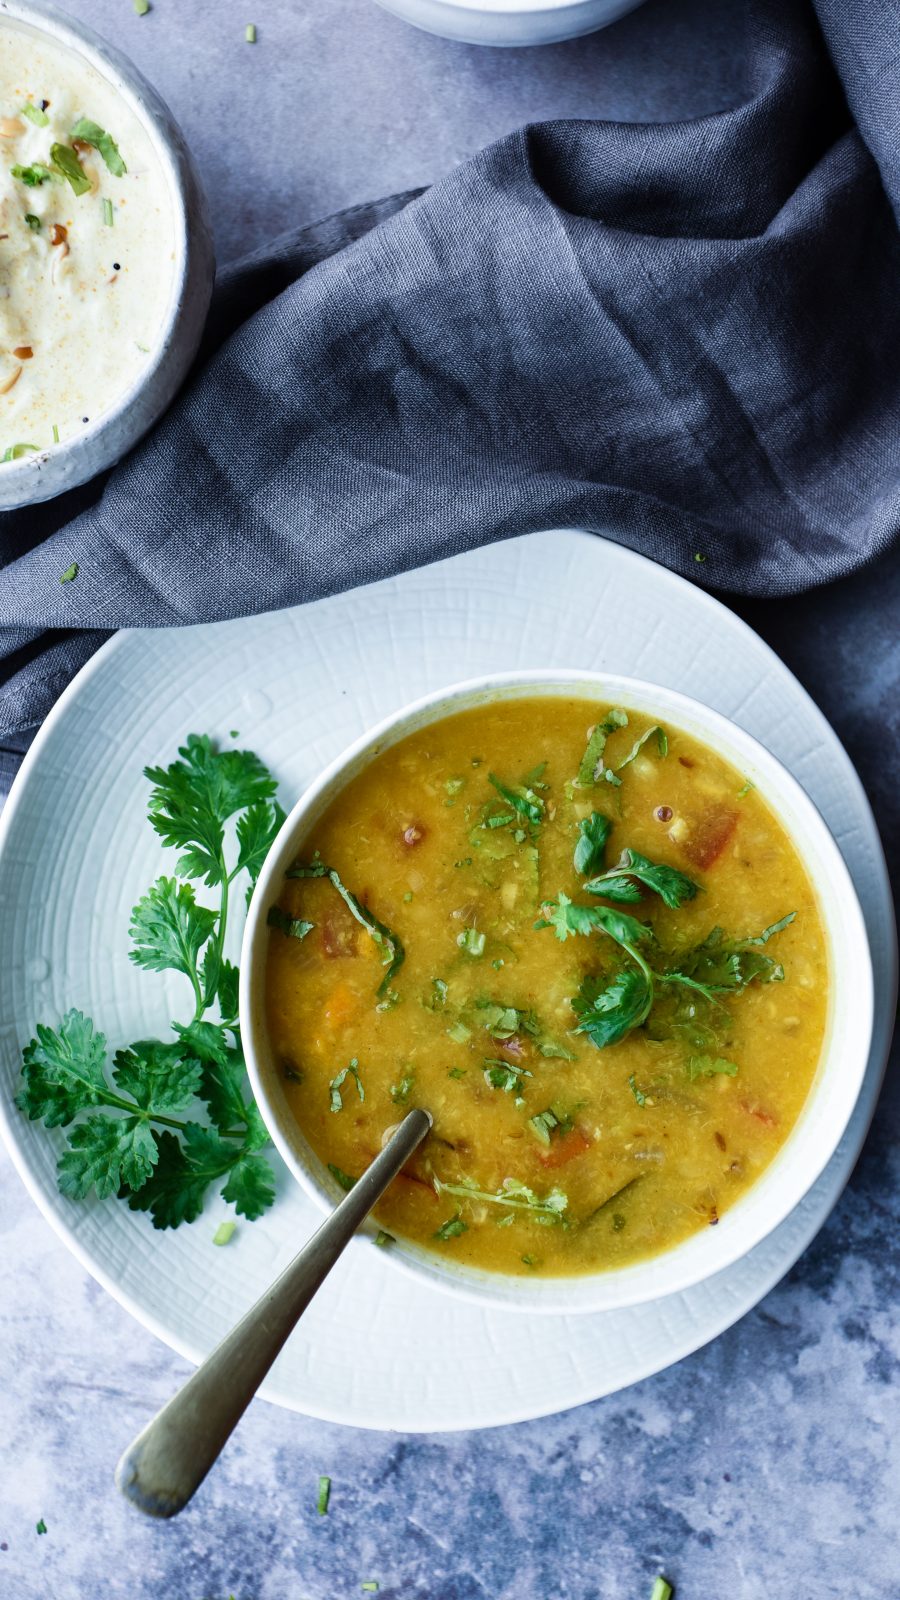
[587, 946]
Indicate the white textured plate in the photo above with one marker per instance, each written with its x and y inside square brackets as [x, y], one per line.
[375, 1349]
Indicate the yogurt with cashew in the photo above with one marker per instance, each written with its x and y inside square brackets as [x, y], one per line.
[87, 243]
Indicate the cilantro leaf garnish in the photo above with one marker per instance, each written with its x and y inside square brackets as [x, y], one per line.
[525, 800]
[89, 133]
[35, 114]
[451, 1229]
[593, 832]
[621, 881]
[607, 1011]
[393, 954]
[351, 1070]
[140, 1137]
[504, 1075]
[512, 1194]
[32, 176]
[662, 745]
[591, 768]
[65, 161]
[294, 927]
[709, 1066]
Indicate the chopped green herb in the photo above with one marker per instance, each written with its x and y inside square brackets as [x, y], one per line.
[544, 1125]
[56, 436]
[32, 176]
[497, 963]
[70, 574]
[453, 786]
[370, 1585]
[745, 789]
[459, 1033]
[452, 1228]
[523, 800]
[90, 133]
[393, 954]
[708, 1066]
[292, 1073]
[438, 998]
[662, 1589]
[65, 161]
[592, 769]
[407, 897]
[294, 927]
[607, 1011]
[593, 832]
[15, 452]
[456, 1072]
[33, 222]
[108, 213]
[224, 1232]
[471, 941]
[383, 1239]
[341, 1178]
[336, 1084]
[529, 1261]
[503, 1074]
[639, 1096]
[698, 556]
[621, 882]
[140, 7]
[323, 1496]
[400, 1092]
[40, 1527]
[514, 1195]
[35, 114]
[250, 36]
[662, 745]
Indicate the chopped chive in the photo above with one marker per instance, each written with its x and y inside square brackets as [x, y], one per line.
[250, 36]
[15, 452]
[383, 1239]
[745, 789]
[140, 7]
[662, 1590]
[324, 1495]
[70, 574]
[698, 556]
[40, 1527]
[108, 213]
[471, 941]
[55, 434]
[224, 1232]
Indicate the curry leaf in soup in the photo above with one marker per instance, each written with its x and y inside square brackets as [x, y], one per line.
[607, 1011]
[662, 745]
[593, 832]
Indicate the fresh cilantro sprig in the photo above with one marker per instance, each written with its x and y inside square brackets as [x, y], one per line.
[133, 1122]
[633, 873]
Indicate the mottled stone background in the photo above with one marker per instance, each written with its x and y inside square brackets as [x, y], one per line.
[766, 1467]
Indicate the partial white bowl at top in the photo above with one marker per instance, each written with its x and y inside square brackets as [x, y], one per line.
[51, 469]
[510, 22]
[835, 1088]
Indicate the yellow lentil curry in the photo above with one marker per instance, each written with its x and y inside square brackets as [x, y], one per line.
[587, 946]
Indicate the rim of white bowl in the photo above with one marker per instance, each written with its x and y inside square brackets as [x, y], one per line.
[154, 115]
[835, 1089]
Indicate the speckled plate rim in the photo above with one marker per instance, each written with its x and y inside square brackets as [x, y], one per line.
[878, 906]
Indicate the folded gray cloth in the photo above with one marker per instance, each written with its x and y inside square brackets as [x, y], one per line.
[684, 335]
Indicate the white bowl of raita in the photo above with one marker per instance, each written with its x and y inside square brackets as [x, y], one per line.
[106, 260]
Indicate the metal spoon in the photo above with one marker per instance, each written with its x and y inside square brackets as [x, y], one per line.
[166, 1463]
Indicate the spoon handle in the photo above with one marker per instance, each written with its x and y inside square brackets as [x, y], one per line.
[168, 1461]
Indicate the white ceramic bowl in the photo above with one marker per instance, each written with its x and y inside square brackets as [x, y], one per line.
[832, 1097]
[105, 441]
[510, 22]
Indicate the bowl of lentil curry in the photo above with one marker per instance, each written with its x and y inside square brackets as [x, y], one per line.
[607, 940]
